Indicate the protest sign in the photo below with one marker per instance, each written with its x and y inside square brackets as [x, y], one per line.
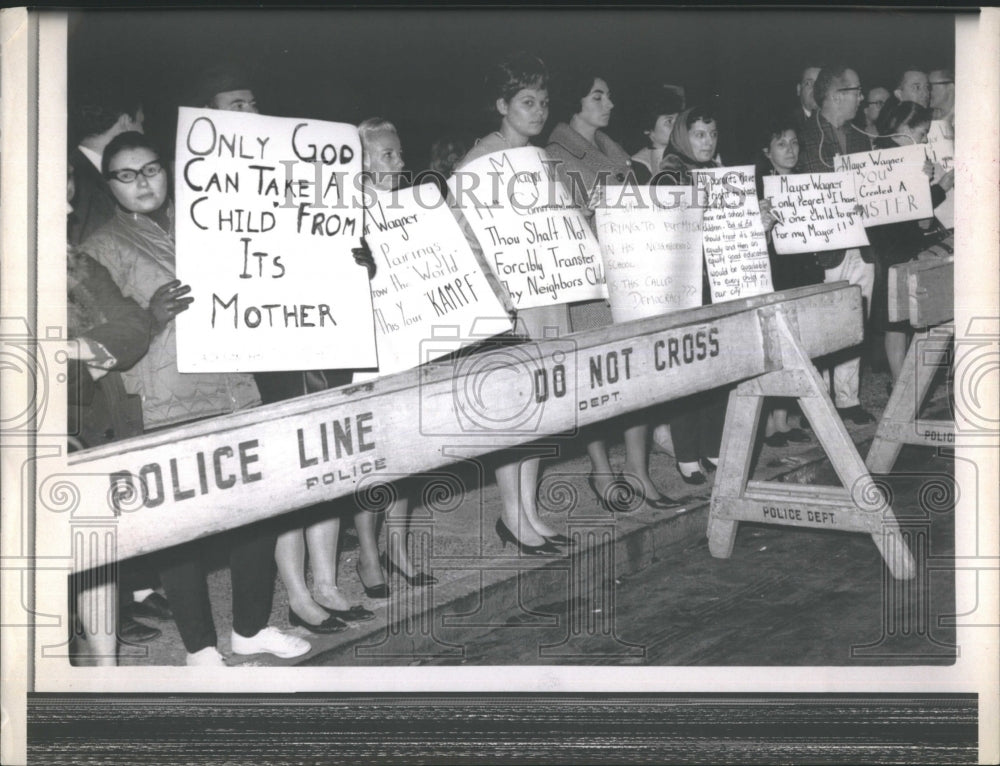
[815, 212]
[941, 143]
[651, 244]
[732, 234]
[535, 240]
[891, 183]
[268, 209]
[427, 279]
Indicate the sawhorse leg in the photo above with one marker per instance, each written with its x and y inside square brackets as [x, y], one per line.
[857, 506]
[899, 424]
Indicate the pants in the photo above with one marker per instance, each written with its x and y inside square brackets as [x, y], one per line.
[696, 425]
[252, 569]
[847, 375]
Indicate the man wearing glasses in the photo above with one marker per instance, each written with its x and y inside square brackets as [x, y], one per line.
[870, 111]
[827, 133]
[942, 97]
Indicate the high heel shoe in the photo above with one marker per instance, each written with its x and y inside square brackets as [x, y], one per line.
[620, 494]
[376, 591]
[662, 503]
[694, 479]
[506, 536]
[560, 540]
[331, 624]
[418, 580]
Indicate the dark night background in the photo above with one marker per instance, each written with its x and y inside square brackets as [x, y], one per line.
[424, 69]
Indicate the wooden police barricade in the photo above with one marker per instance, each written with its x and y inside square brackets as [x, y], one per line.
[206, 477]
[921, 292]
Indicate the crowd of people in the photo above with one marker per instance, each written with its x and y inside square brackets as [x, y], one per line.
[124, 297]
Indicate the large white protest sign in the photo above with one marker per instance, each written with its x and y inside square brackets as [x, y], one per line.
[651, 244]
[535, 240]
[891, 183]
[815, 211]
[941, 143]
[268, 210]
[733, 235]
[427, 278]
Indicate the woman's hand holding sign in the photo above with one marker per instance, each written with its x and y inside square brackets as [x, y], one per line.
[169, 300]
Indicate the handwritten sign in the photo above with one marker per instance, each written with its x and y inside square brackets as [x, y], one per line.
[537, 243]
[733, 235]
[268, 210]
[941, 143]
[815, 211]
[891, 183]
[651, 244]
[427, 278]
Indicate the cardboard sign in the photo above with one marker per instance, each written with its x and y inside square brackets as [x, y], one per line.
[815, 212]
[941, 143]
[733, 236]
[427, 280]
[651, 244]
[268, 210]
[536, 241]
[891, 183]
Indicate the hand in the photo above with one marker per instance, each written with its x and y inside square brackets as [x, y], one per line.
[929, 169]
[947, 181]
[767, 217]
[595, 199]
[363, 257]
[169, 300]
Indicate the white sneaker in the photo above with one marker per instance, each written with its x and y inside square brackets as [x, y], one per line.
[207, 657]
[271, 641]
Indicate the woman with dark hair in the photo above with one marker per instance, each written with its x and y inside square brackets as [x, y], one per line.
[900, 124]
[779, 154]
[587, 160]
[137, 247]
[696, 422]
[518, 92]
[657, 123]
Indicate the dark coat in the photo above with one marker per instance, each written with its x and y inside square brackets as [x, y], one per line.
[93, 203]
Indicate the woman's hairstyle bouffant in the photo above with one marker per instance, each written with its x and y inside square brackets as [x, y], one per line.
[122, 142]
[900, 114]
[776, 127]
[517, 71]
[372, 126]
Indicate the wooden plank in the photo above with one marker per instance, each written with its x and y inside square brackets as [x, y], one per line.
[922, 291]
[198, 479]
[931, 433]
[802, 511]
[738, 432]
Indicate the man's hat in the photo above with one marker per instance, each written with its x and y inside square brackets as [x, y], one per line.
[221, 78]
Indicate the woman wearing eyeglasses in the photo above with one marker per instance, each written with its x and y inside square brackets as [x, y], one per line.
[137, 247]
[870, 109]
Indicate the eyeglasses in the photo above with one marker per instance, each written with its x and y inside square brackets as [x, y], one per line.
[128, 175]
[874, 103]
[845, 90]
[943, 82]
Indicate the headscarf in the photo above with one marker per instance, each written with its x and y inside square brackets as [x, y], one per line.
[679, 156]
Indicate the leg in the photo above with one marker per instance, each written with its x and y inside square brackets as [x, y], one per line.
[369, 566]
[509, 484]
[183, 576]
[251, 570]
[684, 431]
[322, 538]
[600, 465]
[637, 458]
[95, 600]
[528, 491]
[290, 556]
[396, 534]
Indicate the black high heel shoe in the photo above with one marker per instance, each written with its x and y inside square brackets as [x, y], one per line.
[662, 503]
[619, 492]
[376, 591]
[418, 580]
[506, 536]
[560, 540]
[331, 624]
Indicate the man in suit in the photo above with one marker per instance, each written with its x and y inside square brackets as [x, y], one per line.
[807, 101]
[827, 133]
[97, 116]
[914, 86]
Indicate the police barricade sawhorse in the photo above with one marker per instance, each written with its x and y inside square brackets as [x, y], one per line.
[922, 293]
[196, 480]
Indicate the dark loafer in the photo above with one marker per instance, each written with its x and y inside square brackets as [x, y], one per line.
[153, 607]
[130, 631]
[356, 613]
